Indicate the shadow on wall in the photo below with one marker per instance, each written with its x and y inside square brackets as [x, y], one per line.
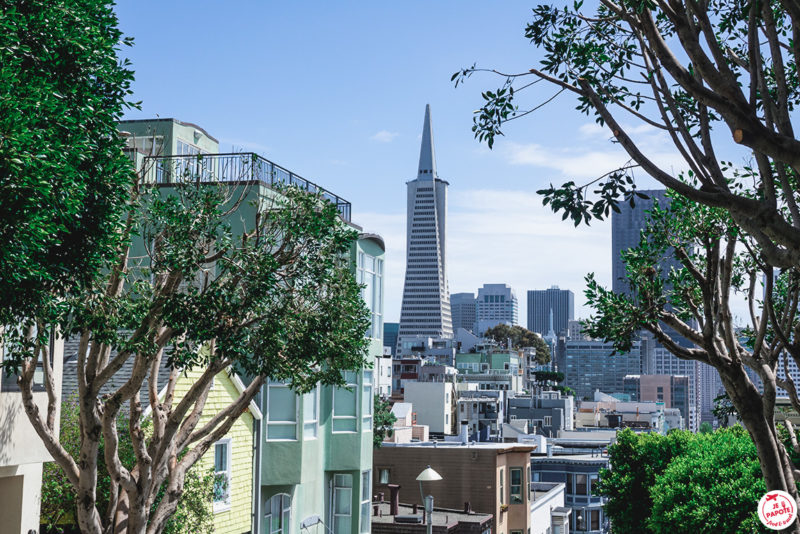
[10, 409]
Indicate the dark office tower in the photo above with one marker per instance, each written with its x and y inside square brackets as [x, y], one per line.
[626, 228]
[425, 310]
[462, 308]
[541, 302]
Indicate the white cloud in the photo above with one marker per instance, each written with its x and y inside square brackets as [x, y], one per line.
[596, 154]
[384, 136]
[501, 236]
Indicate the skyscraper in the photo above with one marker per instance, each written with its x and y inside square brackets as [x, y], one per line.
[542, 301]
[626, 228]
[426, 299]
[462, 306]
[496, 304]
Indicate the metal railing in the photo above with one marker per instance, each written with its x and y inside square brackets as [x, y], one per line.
[233, 167]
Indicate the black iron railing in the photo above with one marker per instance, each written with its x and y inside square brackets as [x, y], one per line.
[233, 167]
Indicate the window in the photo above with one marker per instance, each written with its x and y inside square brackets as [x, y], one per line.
[281, 412]
[502, 487]
[222, 475]
[580, 485]
[569, 483]
[592, 484]
[344, 404]
[310, 410]
[595, 519]
[367, 401]
[277, 517]
[383, 476]
[370, 275]
[548, 420]
[366, 478]
[9, 382]
[515, 476]
[342, 501]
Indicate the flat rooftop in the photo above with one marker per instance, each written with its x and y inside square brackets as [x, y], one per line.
[508, 447]
[440, 516]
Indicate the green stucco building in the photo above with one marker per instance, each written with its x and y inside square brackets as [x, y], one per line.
[312, 456]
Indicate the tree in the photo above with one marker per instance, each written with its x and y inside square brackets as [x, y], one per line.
[64, 175]
[58, 506]
[714, 487]
[520, 337]
[383, 421]
[717, 259]
[230, 276]
[683, 482]
[635, 460]
[690, 69]
[706, 428]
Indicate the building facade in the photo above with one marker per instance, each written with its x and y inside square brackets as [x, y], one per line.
[491, 477]
[544, 302]
[425, 308]
[589, 366]
[672, 390]
[496, 304]
[462, 307]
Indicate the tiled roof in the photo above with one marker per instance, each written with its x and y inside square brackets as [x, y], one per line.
[69, 384]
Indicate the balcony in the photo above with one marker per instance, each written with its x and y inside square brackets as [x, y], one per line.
[233, 167]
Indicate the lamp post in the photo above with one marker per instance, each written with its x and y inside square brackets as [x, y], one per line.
[428, 475]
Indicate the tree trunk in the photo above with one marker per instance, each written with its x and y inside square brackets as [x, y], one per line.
[772, 456]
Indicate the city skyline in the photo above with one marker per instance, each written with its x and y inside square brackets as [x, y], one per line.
[364, 147]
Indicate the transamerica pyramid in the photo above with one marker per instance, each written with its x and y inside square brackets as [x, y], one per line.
[426, 298]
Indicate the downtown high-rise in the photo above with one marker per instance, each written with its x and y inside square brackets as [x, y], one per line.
[553, 304]
[425, 311]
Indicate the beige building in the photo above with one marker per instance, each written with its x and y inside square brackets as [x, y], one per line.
[22, 452]
[494, 478]
[434, 405]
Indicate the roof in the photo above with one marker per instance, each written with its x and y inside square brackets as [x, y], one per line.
[69, 382]
[484, 445]
[440, 516]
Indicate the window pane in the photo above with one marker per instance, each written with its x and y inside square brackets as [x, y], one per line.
[365, 480]
[384, 476]
[343, 500]
[277, 431]
[580, 484]
[220, 457]
[344, 402]
[595, 519]
[310, 405]
[282, 404]
[344, 425]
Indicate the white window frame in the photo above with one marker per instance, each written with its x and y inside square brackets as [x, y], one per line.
[311, 426]
[367, 400]
[345, 489]
[267, 420]
[366, 500]
[287, 519]
[356, 393]
[222, 506]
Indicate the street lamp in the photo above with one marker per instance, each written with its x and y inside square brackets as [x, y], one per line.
[428, 475]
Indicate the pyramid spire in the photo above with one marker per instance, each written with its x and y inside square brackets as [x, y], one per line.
[427, 155]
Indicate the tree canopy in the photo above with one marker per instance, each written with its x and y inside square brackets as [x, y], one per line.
[197, 285]
[690, 69]
[683, 482]
[64, 175]
[520, 338]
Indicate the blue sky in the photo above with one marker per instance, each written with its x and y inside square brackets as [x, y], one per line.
[336, 92]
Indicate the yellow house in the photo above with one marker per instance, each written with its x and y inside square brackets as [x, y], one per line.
[231, 457]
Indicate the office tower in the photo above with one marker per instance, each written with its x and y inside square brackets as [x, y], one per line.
[462, 307]
[496, 304]
[589, 366]
[426, 300]
[542, 301]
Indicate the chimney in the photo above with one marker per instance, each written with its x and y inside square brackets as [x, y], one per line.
[464, 432]
[394, 499]
[549, 450]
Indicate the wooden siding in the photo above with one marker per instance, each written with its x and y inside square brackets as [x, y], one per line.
[238, 518]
